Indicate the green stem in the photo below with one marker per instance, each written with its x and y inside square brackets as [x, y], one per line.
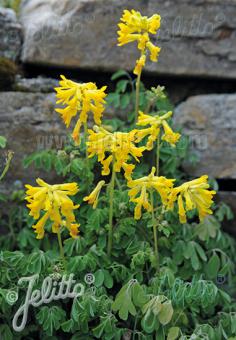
[8, 162]
[61, 249]
[158, 156]
[154, 226]
[180, 314]
[135, 326]
[85, 139]
[137, 97]
[111, 199]
[118, 183]
[149, 106]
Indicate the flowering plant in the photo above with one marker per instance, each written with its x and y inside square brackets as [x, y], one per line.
[150, 237]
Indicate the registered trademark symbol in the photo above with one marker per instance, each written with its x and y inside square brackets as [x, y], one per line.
[89, 278]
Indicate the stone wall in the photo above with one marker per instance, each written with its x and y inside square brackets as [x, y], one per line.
[198, 40]
[197, 37]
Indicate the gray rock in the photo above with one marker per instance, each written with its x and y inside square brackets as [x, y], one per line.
[30, 124]
[39, 84]
[210, 121]
[197, 37]
[10, 35]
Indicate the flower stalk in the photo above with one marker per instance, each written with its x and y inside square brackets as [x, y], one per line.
[138, 81]
[8, 162]
[62, 254]
[85, 139]
[158, 155]
[111, 199]
[154, 226]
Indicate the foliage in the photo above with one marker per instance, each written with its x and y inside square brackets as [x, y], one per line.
[186, 299]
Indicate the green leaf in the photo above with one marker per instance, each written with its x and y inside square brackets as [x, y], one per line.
[173, 333]
[106, 326]
[113, 99]
[108, 280]
[77, 166]
[37, 262]
[207, 229]
[121, 86]
[213, 266]
[99, 277]
[97, 217]
[74, 246]
[27, 161]
[51, 318]
[200, 251]
[3, 142]
[119, 74]
[194, 260]
[224, 211]
[224, 270]
[149, 322]
[188, 250]
[67, 326]
[123, 302]
[47, 161]
[138, 295]
[125, 100]
[166, 313]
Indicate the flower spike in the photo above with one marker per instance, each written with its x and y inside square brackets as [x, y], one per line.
[56, 205]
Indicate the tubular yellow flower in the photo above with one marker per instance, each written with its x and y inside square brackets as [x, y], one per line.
[154, 51]
[74, 230]
[135, 27]
[153, 132]
[140, 63]
[119, 146]
[93, 197]
[79, 98]
[143, 186]
[192, 195]
[170, 136]
[54, 201]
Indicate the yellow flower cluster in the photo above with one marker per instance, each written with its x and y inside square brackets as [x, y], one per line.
[135, 27]
[192, 195]
[156, 122]
[54, 201]
[83, 98]
[143, 186]
[119, 146]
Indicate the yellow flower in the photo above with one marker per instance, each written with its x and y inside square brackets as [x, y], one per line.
[74, 230]
[135, 27]
[153, 132]
[192, 195]
[143, 186]
[140, 63]
[116, 148]
[93, 197]
[54, 202]
[154, 51]
[170, 136]
[80, 98]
